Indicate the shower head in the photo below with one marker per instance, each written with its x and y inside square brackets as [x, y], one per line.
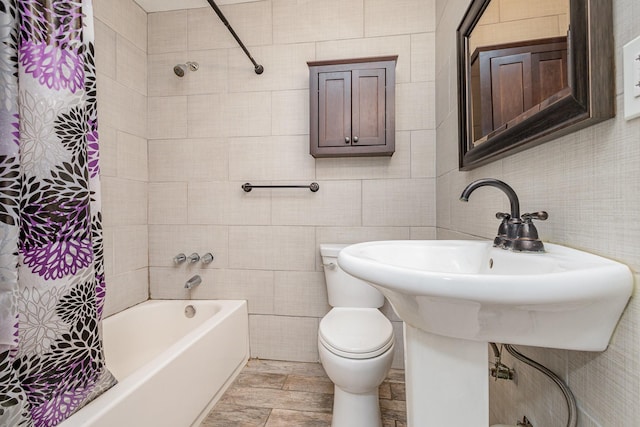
[180, 69]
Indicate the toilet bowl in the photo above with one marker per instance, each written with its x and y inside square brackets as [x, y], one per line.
[355, 344]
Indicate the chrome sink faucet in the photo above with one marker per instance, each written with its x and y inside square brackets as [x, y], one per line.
[515, 233]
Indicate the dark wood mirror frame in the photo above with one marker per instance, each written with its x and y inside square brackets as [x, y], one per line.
[590, 97]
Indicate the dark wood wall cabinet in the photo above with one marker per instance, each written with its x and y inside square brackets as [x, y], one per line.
[352, 107]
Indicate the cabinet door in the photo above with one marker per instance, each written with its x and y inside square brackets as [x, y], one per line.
[548, 73]
[511, 87]
[334, 109]
[368, 107]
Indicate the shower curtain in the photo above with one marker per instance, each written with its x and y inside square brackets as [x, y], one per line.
[51, 269]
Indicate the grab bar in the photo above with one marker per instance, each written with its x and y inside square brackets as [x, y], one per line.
[313, 186]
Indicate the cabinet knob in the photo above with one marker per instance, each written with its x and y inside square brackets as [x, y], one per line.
[355, 139]
[347, 140]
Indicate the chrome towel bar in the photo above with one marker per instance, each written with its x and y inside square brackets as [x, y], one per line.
[313, 186]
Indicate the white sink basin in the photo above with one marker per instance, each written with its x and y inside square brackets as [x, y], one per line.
[563, 298]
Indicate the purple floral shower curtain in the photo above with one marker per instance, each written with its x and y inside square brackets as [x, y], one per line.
[51, 269]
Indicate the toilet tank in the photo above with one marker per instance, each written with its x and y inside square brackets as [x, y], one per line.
[343, 289]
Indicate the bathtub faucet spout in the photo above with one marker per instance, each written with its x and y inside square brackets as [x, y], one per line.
[193, 282]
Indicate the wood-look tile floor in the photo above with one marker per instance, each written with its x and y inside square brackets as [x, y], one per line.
[271, 393]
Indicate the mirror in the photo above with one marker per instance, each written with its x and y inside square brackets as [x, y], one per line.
[529, 72]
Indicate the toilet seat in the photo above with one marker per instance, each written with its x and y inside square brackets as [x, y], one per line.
[356, 333]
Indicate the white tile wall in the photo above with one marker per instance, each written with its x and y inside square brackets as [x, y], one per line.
[284, 337]
[242, 127]
[203, 159]
[371, 47]
[310, 21]
[121, 59]
[224, 125]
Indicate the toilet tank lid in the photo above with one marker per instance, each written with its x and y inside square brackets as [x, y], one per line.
[332, 249]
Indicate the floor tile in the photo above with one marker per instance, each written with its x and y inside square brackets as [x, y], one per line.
[286, 418]
[282, 399]
[270, 393]
[227, 415]
[394, 409]
[314, 384]
[261, 380]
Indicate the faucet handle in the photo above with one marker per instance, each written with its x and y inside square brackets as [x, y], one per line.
[542, 216]
[194, 257]
[503, 215]
[180, 258]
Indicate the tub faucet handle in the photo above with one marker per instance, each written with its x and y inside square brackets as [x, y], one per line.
[194, 257]
[179, 259]
[207, 258]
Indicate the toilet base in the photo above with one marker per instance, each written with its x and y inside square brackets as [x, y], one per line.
[356, 410]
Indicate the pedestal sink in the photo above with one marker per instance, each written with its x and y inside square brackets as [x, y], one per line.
[456, 296]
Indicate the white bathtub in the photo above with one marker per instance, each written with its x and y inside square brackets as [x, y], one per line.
[171, 369]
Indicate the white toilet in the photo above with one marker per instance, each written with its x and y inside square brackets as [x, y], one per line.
[355, 342]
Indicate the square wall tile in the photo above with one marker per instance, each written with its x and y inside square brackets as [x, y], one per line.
[284, 338]
[125, 17]
[285, 68]
[352, 235]
[367, 47]
[124, 202]
[167, 117]
[225, 203]
[423, 154]
[168, 203]
[398, 202]
[229, 114]
[290, 112]
[131, 65]
[270, 158]
[423, 53]
[131, 249]
[251, 20]
[120, 107]
[310, 21]
[396, 166]
[132, 157]
[126, 290]
[272, 248]
[423, 233]
[108, 140]
[201, 159]
[336, 203]
[211, 76]
[105, 41]
[109, 250]
[300, 293]
[255, 286]
[167, 241]
[401, 16]
[206, 31]
[167, 31]
[415, 107]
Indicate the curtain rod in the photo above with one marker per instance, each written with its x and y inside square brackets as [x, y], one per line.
[259, 69]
